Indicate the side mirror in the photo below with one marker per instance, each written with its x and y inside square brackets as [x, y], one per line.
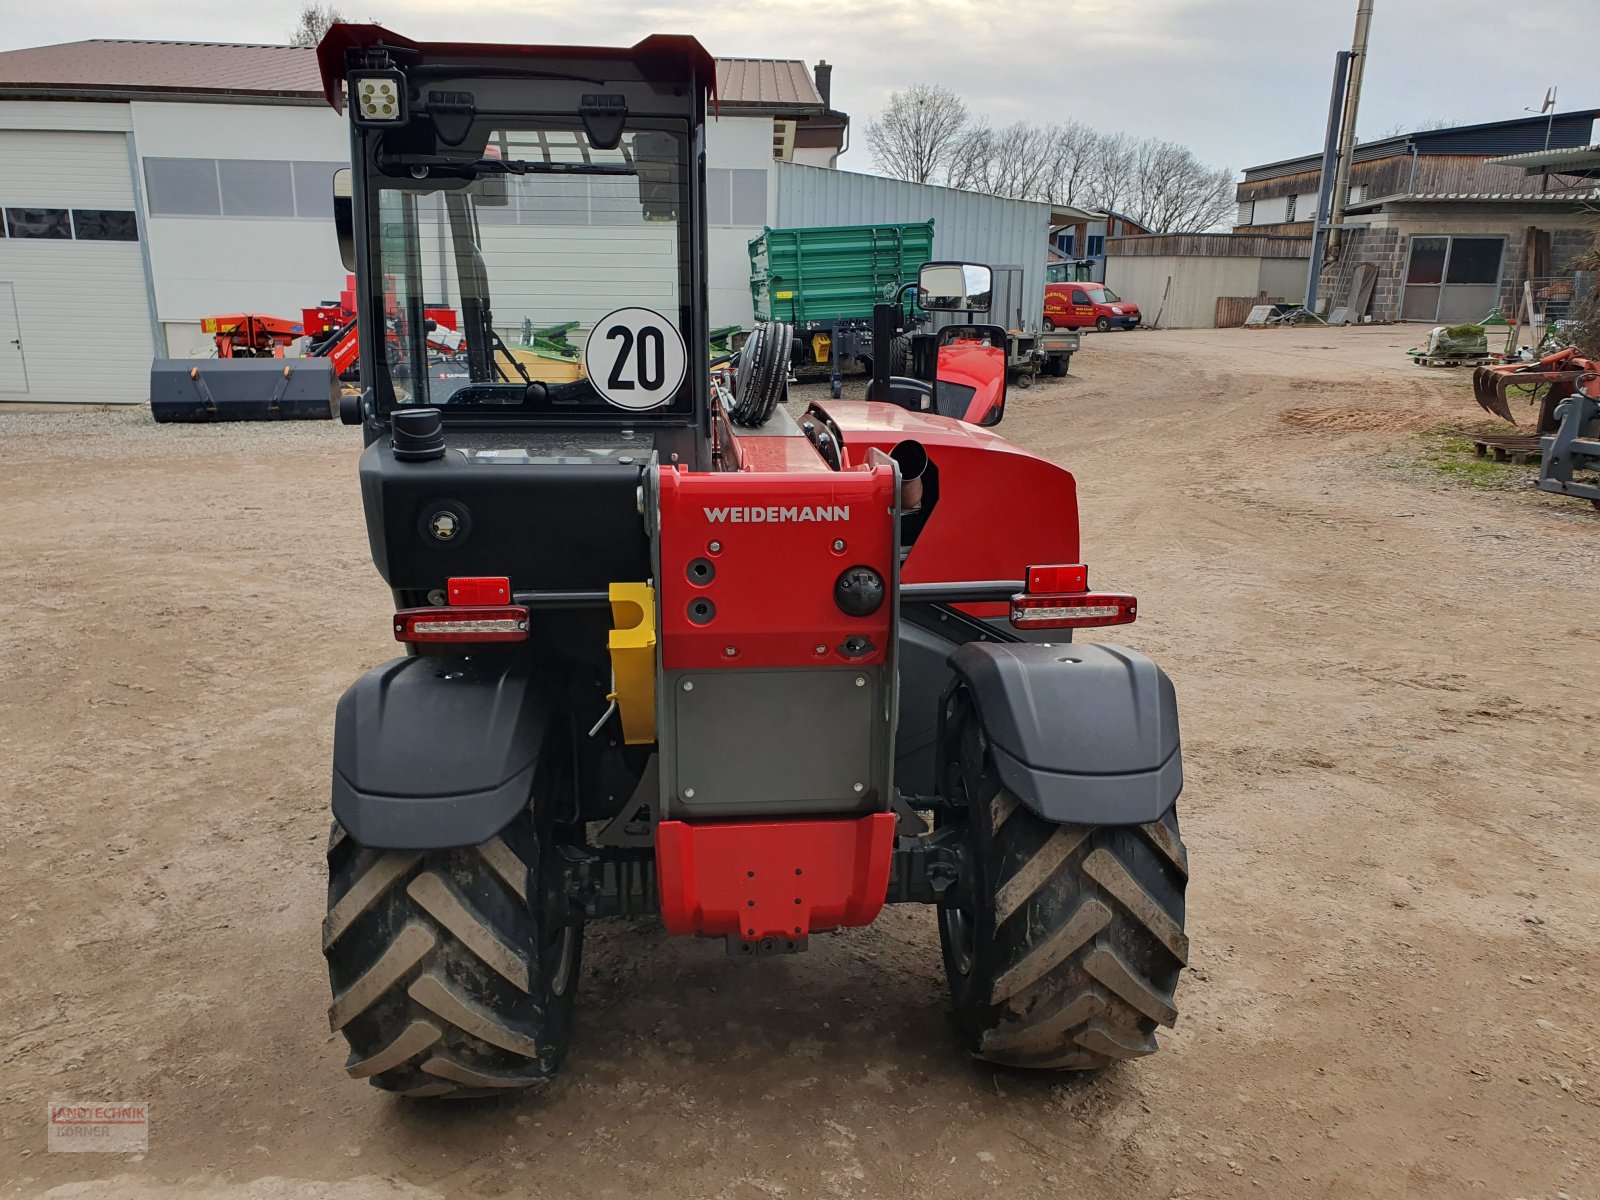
[344, 218]
[955, 287]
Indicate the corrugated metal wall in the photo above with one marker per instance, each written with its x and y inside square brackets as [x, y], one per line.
[966, 225]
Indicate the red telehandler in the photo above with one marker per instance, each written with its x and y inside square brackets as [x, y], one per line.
[670, 651]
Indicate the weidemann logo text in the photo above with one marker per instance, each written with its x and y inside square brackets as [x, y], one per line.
[773, 513]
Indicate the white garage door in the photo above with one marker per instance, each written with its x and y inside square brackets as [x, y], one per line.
[74, 309]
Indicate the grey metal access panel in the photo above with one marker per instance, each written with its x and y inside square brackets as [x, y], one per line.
[763, 743]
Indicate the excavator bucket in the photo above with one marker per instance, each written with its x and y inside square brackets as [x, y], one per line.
[1488, 390]
[1491, 385]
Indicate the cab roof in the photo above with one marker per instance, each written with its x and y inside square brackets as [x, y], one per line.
[674, 54]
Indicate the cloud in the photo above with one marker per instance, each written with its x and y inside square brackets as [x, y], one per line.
[1240, 81]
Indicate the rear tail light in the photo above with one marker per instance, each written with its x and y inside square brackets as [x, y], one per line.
[1058, 598]
[462, 623]
[1078, 610]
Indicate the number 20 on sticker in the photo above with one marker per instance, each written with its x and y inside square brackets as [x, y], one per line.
[635, 358]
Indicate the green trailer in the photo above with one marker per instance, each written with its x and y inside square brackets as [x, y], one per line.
[825, 281]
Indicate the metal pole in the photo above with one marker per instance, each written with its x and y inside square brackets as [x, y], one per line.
[1550, 122]
[1330, 151]
[1347, 134]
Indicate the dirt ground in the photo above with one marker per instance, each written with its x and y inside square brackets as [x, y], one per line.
[1388, 687]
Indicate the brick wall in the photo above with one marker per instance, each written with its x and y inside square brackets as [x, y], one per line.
[1383, 247]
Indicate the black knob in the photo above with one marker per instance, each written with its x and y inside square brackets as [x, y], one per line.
[417, 434]
[859, 591]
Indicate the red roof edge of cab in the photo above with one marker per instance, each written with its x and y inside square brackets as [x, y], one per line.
[343, 37]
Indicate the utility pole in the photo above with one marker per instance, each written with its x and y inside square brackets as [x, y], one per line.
[1330, 150]
[1347, 134]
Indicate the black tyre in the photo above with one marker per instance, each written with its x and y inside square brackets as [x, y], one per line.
[1049, 325]
[1056, 367]
[454, 972]
[1062, 943]
[761, 380]
[1103, 324]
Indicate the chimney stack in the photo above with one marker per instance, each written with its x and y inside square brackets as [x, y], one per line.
[824, 77]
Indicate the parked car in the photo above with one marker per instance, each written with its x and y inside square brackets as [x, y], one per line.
[1079, 305]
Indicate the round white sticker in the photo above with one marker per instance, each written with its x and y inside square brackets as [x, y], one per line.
[635, 358]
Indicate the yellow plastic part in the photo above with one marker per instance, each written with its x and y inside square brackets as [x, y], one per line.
[821, 347]
[633, 660]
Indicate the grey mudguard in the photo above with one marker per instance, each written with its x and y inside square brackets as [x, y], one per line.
[1081, 734]
[430, 753]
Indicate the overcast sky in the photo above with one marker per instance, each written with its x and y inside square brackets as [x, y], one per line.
[1240, 81]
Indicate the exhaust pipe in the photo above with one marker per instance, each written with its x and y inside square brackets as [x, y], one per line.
[912, 459]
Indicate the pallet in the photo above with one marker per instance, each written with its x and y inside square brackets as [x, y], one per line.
[1482, 360]
[1508, 447]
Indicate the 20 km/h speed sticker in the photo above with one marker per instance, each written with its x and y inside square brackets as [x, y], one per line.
[635, 358]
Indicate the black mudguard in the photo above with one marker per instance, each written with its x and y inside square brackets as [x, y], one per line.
[437, 752]
[1081, 734]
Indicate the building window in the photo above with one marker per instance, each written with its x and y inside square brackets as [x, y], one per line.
[1288, 211]
[275, 189]
[104, 225]
[1066, 241]
[38, 223]
[1097, 245]
[253, 188]
[1247, 212]
[736, 198]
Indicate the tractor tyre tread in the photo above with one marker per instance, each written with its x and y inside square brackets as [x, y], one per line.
[436, 974]
[1081, 943]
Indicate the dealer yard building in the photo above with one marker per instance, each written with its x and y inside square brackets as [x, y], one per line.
[150, 184]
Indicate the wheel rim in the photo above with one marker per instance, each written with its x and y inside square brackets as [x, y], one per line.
[566, 955]
[959, 932]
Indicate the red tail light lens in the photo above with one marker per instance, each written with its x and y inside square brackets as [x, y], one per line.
[479, 589]
[1072, 610]
[1071, 578]
[462, 623]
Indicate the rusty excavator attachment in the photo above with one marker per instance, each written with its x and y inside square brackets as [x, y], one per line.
[1492, 386]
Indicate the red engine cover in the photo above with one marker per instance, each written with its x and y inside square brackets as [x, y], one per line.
[749, 563]
[777, 879]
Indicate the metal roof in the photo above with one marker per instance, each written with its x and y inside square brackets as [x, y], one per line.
[1568, 196]
[766, 83]
[1570, 160]
[218, 68]
[106, 66]
[1491, 137]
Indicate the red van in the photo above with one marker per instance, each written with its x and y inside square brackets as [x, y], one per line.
[1079, 305]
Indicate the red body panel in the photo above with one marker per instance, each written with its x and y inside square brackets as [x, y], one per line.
[1000, 508]
[777, 879]
[774, 566]
[979, 367]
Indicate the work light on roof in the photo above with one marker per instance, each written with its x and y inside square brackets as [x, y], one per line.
[378, 97]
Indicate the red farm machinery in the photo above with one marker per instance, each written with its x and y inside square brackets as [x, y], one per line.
[671, 650]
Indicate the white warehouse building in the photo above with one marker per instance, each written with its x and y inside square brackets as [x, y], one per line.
[147, 185]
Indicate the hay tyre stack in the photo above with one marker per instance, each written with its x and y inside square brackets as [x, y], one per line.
[454, 972]
[762, 379]
[1063, 943]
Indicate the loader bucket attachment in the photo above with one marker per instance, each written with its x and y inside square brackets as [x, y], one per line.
[1488, 389]
[243, 389]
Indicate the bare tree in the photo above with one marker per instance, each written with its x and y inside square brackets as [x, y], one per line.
[1173, 191]
[314, 22]
[1070, 157]
[924, 135]
[916, 134]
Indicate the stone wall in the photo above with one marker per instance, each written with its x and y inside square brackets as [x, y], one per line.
[1386, 242]
[1383, 247]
